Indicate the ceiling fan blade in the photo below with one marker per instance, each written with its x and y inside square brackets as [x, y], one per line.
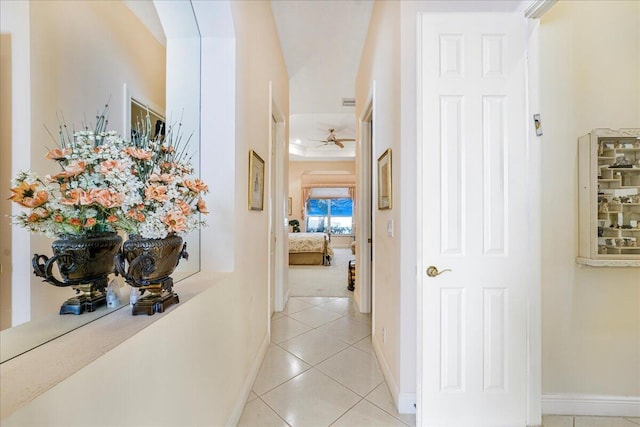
[344, 139]
[339, 144]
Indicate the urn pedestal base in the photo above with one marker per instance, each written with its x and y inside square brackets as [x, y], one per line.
[152, 304]
[80, 304]
[160, 296]
[84, 263]
[90, 296]
[151, 261]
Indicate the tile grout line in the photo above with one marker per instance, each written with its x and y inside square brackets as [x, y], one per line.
[328, 357]
[285, 381]
[346, 412]
[274, 411]
[382, 409]
[314, 365]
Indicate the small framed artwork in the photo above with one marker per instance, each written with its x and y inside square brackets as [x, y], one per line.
[289, 207]
[256, 181]
[384, 180]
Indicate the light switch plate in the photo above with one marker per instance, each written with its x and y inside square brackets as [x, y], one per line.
[390, 228]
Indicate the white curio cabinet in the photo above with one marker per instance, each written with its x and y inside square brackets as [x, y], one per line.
[609, 198]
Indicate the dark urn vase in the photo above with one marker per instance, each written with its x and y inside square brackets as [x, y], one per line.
[150, 265]
[84, 263]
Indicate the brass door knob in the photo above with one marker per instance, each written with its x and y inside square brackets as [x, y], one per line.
[432, 271]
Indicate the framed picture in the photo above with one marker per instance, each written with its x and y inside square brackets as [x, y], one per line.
[384, 180]
[256, 181]
[289, 207]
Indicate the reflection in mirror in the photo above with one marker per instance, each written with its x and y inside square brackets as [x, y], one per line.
[139, 109]
[63, 74]
[138, 113]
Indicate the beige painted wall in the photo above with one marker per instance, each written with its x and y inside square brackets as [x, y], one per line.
[82, 53]
[590, 78]
[258, 60]
[381, 63]
[186, 369]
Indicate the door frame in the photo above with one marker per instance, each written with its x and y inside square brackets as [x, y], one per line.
[277, 205]
[364, 292]
[534, 229]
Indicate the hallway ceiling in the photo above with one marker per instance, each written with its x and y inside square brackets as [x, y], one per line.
[322, 43]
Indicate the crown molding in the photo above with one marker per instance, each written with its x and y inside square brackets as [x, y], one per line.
[537, 8]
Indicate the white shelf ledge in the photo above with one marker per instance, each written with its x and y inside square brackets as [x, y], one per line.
[608, 263]
[34, 372]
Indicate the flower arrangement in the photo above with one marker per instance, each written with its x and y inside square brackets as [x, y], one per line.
[144, 186]
[165, 197]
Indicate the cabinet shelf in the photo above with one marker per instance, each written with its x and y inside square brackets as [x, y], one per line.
[603, 186]
[610, 262]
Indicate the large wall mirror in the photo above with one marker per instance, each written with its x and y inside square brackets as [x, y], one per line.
[62, 58]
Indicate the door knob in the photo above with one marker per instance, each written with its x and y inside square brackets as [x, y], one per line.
[432, 271]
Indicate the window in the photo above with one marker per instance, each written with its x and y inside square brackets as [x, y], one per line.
[333, 216]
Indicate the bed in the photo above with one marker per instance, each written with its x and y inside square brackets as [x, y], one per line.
[309, 249]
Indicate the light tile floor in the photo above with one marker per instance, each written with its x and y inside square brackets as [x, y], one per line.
[582, 421]
[321, 370]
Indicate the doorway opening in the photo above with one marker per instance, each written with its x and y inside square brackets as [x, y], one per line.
[364, 243]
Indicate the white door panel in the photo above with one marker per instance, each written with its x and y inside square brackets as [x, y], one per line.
[472, 79]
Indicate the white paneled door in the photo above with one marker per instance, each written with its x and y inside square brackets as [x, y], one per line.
[473, 136]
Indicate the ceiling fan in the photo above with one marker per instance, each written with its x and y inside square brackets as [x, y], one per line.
[332, 139]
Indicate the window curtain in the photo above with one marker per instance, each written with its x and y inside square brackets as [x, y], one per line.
[352, 194]
[306, 194]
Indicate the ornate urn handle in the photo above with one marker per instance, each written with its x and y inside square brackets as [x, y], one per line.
[141, 266]
[129, 274]
[44, 269]
[183, 253]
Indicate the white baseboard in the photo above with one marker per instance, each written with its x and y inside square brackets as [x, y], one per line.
[588, 404]
[405, 402]
[238, 408]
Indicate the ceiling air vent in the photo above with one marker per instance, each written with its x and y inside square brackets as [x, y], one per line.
[348, 102]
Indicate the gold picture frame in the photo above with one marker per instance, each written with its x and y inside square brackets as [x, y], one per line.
[256, 181]
[290, 207]
[385, 181]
